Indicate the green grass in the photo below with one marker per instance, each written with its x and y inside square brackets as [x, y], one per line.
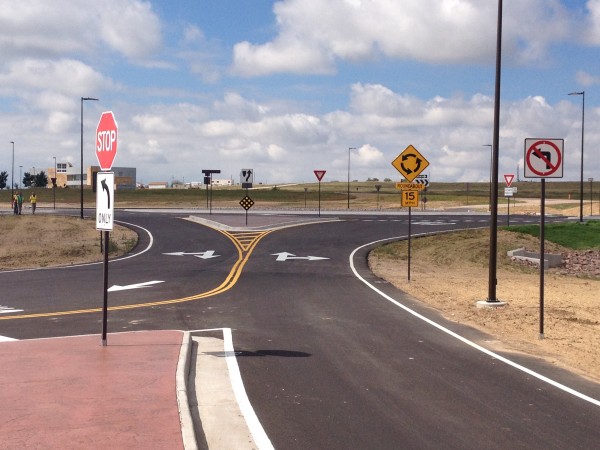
[575, 235]
[465, 193]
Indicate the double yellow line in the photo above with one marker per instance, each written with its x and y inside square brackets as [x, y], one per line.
[244, 241]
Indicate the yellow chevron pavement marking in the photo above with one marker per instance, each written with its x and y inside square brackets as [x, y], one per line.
[245, 243]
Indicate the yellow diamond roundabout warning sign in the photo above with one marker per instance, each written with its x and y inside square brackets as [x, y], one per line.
[410, 163]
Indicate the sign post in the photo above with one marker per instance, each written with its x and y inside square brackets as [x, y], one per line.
[208, 173]
[319, 174]
[543, 159]
[410, 163]
[106, 150]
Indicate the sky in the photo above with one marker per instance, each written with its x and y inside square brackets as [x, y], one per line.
[287, 87]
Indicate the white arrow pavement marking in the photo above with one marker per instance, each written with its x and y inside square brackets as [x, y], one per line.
[204, 255]
[116, 287]
[8, 309]
[284, 256]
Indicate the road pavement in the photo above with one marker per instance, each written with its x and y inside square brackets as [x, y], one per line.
[326, 358]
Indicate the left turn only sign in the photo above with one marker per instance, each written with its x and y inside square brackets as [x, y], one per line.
[105, 199]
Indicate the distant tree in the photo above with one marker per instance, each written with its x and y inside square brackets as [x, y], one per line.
[27, 179]
[3, 179]
[40, 180]
[387, 180]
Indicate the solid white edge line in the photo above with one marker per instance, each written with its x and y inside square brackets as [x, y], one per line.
[258, 433]
[459, 337]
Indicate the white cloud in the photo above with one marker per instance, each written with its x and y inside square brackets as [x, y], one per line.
[592, 31]
[67, 77]
[587, 79]
[43, 29]
[313, 34]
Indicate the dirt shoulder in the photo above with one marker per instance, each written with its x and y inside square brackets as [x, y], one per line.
[29, 241]
[450, 273]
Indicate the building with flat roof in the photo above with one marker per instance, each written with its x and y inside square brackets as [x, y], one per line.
[68, 176]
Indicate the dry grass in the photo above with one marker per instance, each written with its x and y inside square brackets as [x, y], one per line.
[28, 241]
[450, 273]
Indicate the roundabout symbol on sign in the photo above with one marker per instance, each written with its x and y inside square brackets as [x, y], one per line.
[543, 158]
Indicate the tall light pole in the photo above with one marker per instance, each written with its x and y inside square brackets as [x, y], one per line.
[12, 173]
[591, 180]
[491, 162]
[582, 93]
[493, 264]
[81, 173]
[54, 184]
[350, 148]
[20, 175]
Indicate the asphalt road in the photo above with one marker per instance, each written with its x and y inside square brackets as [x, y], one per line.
[331, 356]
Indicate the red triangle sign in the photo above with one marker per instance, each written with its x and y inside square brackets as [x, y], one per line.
[319, 174]
[509, 179]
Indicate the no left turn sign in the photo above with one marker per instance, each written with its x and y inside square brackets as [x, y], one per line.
[544, 158]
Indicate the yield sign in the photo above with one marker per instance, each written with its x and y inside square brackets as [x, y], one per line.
[319, 174]
[509, 179]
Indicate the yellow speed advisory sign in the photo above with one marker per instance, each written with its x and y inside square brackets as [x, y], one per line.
[410, 198]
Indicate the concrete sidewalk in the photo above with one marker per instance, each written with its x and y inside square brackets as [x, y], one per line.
[74, 393]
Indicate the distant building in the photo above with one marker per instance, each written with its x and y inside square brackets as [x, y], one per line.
[69, 176]
[221, 182]
[158, 185]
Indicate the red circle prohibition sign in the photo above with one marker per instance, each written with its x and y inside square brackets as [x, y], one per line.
[535, 151]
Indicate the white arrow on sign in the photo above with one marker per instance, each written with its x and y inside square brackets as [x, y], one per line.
[284, 256]
[8, 309]
[204, 255]
[116, 287]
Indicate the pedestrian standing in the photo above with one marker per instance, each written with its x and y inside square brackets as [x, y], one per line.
[33, 201]
[20, 201]
[15, 204]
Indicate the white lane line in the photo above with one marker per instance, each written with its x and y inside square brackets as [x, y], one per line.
[258, 433]
[461, 338]
[6, 339]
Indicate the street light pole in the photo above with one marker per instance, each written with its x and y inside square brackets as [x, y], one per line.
[350, 148]
[54, 184]
[20, 175]
[491, 162]
[81, 172]
[582, 93]
[591, 180]
[12, 173]
[493, 263]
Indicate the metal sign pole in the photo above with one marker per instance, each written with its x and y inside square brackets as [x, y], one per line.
[542, 238]
[105, 305]
[409, 233]
[319, 198]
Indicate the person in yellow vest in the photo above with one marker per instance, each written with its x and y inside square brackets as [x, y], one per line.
[33, 201]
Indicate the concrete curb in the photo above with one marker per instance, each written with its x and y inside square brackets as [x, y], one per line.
[185, 415]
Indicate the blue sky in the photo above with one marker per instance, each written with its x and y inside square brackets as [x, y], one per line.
[288, 87]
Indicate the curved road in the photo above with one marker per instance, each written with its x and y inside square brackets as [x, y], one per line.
[331, 356]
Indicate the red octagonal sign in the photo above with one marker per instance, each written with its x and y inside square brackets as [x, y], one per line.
[106, 140]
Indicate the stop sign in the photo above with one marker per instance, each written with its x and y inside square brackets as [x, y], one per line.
[106, 140]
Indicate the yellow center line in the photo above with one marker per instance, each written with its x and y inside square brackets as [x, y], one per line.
[245, 243]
